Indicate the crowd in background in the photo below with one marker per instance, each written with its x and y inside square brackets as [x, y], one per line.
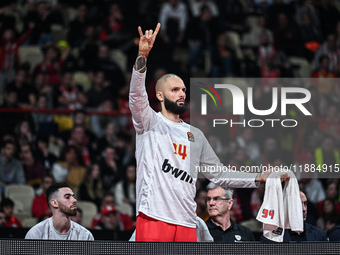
[94, 153]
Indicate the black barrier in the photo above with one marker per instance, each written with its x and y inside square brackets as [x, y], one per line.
[34, 247]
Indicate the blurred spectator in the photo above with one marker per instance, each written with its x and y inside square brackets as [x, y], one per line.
[44, 156]
[313, 187]
[216, 143]
[68, 168]
[309, 34]
[246, 142]
[306, 7]
[80, 118]
[202, 34]
[332, 194]
[223, 57]
[109, 138]
[270, 152]
[173, 17]
[52, 6]
[333, 228]
[124, 149]
[43, 122]
[88, 49]
[11, 171]
[92, 187]
[287, 36]
[40, 14]
[254, 36]
[110, 220]
[71, 95]
[111, 173]
[232, 146]
[9, 55]
[327, 154]
[268, 61]
[328, 14]
[196, 7]
[41, 88]
[77, 27]
[23, 133]
[40, 207]
[34, 170]
[201, 209]
[239, 158]
[115, 25]
[328, 211]
[276, 7]
[330, 124]
[232, 16]
[112, 71]
[98, 123]
[337, 33]
[10, 98]
[99, 91]
[329, 49]
[317, 105]
[328, 87]
[7, 21]
[108, 201]
[81, 141]
[2, 219]
[52, 64]
[7, 205]
[78, 218]
[125, 190]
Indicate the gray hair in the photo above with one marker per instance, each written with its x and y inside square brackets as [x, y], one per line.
[228, 192]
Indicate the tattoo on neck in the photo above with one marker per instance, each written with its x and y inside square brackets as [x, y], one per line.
[140, 63]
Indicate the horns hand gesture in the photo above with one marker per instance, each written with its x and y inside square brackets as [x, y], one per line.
[147, 40]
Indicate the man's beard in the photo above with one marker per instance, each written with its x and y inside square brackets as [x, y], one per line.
[67, 211]
[174, 107]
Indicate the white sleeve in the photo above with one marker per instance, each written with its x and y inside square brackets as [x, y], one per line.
[143, 116]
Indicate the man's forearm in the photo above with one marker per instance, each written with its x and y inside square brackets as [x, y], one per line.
[140, 64]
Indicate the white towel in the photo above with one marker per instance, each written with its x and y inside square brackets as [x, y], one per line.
[280, 210]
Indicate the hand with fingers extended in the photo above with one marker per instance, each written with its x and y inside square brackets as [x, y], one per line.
[147, 40]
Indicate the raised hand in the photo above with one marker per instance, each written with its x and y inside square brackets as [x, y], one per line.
[146, 42]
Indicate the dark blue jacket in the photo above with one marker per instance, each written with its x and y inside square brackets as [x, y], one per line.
[334, 234]
[312, 234]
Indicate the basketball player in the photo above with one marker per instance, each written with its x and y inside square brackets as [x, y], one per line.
[167, 151]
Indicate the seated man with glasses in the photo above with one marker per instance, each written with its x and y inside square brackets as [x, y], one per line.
[222, 228]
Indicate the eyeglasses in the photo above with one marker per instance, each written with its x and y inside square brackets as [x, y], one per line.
[216, 199]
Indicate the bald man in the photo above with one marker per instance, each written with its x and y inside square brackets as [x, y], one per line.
[167, 151]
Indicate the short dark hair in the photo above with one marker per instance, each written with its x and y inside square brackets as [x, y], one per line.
[4, 143]
[6, 202]
[322, 57]
[51, 190]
